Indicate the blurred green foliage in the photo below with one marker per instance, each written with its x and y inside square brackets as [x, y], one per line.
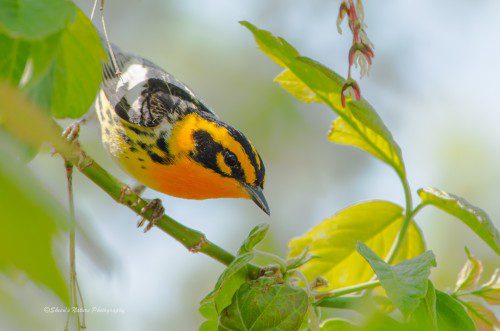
[30, 220]
[51, 51]
[32, 19]
[71, 66]
[54, 52]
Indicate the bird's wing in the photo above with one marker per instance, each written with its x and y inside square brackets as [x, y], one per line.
[144, 94]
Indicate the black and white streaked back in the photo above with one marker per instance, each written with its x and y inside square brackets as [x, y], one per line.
[144, 94]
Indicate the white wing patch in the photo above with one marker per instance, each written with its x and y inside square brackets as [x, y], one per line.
[135, 74]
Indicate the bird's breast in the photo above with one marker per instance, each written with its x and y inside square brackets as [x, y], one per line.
[190, 180]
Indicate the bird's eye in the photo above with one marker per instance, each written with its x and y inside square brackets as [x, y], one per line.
[230, 159]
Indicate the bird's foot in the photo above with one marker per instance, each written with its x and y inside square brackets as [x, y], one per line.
[125, 190]
[156, 214]
[72, 132]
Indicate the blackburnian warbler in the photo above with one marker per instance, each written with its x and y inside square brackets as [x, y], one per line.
[165, 137]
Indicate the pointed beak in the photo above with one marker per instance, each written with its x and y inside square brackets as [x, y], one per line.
[257, 196]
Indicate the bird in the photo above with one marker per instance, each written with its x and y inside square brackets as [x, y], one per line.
[164, 136]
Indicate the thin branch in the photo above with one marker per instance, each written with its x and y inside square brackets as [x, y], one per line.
[93, 10]
[193, 240]
[399, 240]
[275, 258]
[348, 289]
[303, 278]
[313, 318]
[406, 222]
[73, 282]
[108, 44]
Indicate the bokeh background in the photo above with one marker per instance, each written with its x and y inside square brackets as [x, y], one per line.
[434, 82]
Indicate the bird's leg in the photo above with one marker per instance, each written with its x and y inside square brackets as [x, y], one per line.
[157, 212]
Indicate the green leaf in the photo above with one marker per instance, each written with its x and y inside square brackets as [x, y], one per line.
[29, 223]
[333, 242]
[15, 54]
[16, 150]
[209, 326]
[35, 19]
[490, 291]
[296, 87]
[299, 260]
[470, 273]
[72, 78]
[42, 55]
[490, 294]
[208, 311]
[17, 114]
[254, 237]
[264, 305]
[12, 67]
[343, 133]
[451, 315]
[30, 219]
[484, 318]
[364, 304]
[474, 217]
[430, 305]
[309, 81]
[354, 302]
[382, 322]
[228, 283]
[338, 324]
[405, 282]
[425, 316]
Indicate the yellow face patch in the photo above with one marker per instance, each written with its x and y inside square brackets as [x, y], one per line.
[182, 142]
[222, 164]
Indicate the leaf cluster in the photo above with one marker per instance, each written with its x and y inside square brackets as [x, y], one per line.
[368, 244]
[50, 52]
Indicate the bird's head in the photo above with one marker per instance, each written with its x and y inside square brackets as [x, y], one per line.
[221, 162]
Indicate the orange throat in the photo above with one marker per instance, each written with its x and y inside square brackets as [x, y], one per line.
[190, 180]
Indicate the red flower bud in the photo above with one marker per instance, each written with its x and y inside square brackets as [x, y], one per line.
[361, 54]
[350, 87]
[343, 11]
